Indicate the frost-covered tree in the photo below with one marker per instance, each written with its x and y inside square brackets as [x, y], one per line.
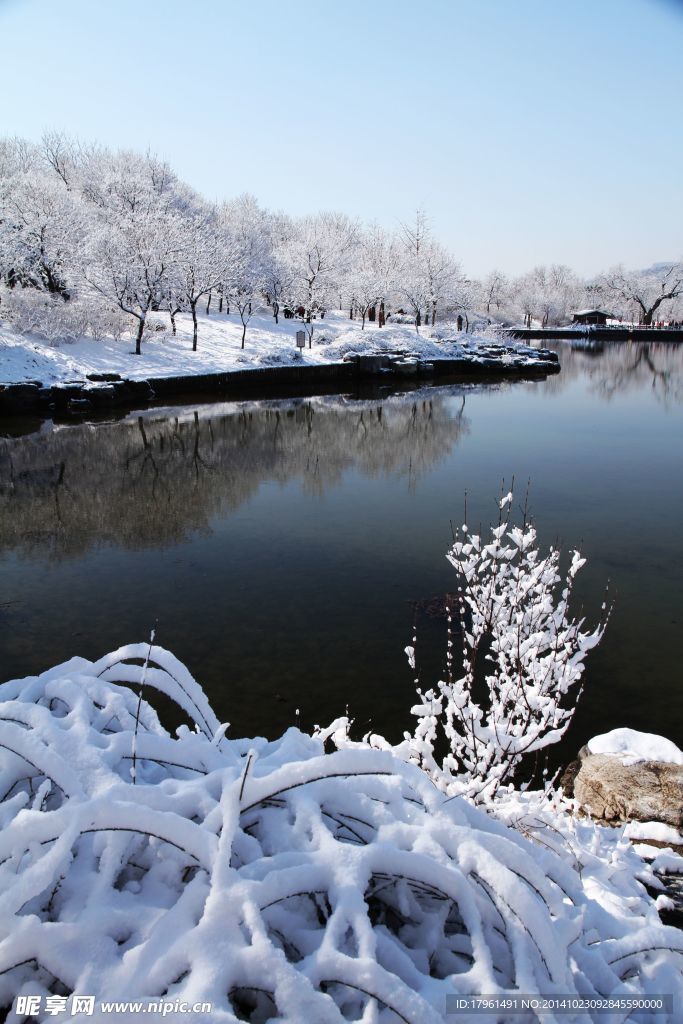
[247, 236]
[201, 264]
[139, 211]
[373, 274]
[443, 275]
[416, 234]
[41, 229]
[644, 294]
[62, 155]
[17, 155]
[526, 299]
[522, 660]
[132, 262]
[557, 290]
[428, 277]
[413, 286]
[546, 294]
[278, 271]
[466, 299]
[318, 252]
[494, 289]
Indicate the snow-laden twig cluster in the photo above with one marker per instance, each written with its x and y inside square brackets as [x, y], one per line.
[275, 880]
[522, 660]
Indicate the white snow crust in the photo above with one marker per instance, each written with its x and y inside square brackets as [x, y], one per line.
[631, 747]
[656, 830]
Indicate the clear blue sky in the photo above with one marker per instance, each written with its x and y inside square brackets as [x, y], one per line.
[530, 130]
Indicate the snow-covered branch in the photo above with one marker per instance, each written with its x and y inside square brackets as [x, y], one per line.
[522, 660]
[275, 880]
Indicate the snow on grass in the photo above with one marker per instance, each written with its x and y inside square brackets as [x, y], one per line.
[278, 881]
[28, 357]
[632, 747]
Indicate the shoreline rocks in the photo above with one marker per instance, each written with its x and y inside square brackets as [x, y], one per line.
[97, 391]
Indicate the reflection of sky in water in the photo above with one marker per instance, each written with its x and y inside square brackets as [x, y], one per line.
[280, 554]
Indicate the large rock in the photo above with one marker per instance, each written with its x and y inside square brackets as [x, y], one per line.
[371, 364]
[614, 792]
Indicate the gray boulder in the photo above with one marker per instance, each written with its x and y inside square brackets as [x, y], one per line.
[614, 792]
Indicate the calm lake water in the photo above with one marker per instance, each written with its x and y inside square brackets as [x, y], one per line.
[284, 549]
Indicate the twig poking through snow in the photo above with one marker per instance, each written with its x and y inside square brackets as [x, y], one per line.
[143, 676]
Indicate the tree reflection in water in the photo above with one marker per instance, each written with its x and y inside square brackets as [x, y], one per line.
[614, 368]
[154, 478]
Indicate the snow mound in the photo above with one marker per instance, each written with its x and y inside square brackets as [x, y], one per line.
[391, 340]
[632, 747]
[275, 880]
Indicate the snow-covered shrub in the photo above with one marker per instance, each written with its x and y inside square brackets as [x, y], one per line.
[31, 311]
[495, 333]
[155, 327]
[444, 332]
[276, 358]
[106, 322]
[522, 661]
[275, 880]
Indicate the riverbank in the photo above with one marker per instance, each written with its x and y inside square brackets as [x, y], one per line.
[595, 333]
[85, 375]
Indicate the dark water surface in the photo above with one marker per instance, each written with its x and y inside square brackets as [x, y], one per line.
[281, 547]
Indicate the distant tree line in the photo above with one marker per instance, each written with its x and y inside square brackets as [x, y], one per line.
[93, 241]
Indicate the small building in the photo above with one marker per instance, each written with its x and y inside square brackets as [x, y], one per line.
[591, 316]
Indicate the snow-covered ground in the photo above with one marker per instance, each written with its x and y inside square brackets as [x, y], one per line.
[27, 357]
[276, 880]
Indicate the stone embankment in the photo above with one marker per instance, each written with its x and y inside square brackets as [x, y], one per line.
[98, 392]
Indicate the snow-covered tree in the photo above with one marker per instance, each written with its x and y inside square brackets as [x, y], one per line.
[246, 230]
[494, 289]
[62, 155]
[429, 276]
[41, 229]
[526, 298]
[643, 294]
[201, 264]
[413, 283]
[546, 294]
[374, 272]
[139, 213]
[557, 289]
[416, 234]
[466, 299]
[131, 263]
[278, 270]
[317, 252]
[444, 277]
